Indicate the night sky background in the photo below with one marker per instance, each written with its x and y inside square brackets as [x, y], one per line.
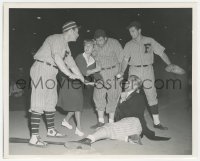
[172, 28]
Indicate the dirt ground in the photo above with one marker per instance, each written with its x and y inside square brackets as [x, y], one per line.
[174, 113]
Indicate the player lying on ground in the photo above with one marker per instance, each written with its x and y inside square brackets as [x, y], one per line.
[130, 127]
[127, 129]
[133, 104]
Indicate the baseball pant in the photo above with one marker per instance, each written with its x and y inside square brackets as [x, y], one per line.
[44, 88]
[108, 88]
[146, 74]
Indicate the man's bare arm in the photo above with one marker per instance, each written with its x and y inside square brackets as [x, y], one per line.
[165, 58]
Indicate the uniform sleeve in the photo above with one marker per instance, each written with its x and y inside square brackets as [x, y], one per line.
[126, 52]
[157, 48]
[45, 48]
[56, 48]
[118, 50]
[81, 65]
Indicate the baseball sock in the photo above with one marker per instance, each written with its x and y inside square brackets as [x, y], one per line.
[35, 123]
[100, 116]
[91, 137]
[156, 119]
[111, 117]
[155, 114]
[50, 119]
[110, 120]
[101, 133]
[101, 120]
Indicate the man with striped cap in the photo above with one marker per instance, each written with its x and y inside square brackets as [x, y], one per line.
[52, 56]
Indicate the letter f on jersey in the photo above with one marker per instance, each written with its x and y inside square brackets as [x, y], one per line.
[147, 48]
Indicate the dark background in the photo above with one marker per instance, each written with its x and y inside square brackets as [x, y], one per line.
[172, 28]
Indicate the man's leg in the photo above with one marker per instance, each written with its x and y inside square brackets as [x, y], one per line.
[113, 97]
[99, 97]
[151, 94]
[35, 124]
[37, 105]
[100, 116]
[101, 133]
[50, 104]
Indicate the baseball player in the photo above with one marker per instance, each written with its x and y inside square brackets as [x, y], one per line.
[127, 129]
[54, 54]
[139, 54]
[130, 122]
[108, 55]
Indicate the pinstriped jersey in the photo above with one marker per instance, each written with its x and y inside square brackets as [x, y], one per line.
[142, 52]
[54, 44]
[110, 54]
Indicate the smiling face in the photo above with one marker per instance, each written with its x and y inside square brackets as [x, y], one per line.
[133, 83]
[134, 32]
[88, 48]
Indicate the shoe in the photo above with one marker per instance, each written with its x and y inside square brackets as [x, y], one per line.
[78, 132]
[86, 141]
[80, 144]
[66, 124]
[99, 124]
[135, 139]
[54, 133]
[160, 126]
[36, 141]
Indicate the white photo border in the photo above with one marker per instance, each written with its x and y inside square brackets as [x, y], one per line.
[5, 73]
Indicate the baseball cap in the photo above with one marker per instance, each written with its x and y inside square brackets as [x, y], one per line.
[69, 25]
[99, 33]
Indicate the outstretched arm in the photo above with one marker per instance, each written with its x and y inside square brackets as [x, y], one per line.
[165, 58]
[72, 65]
[61, 65]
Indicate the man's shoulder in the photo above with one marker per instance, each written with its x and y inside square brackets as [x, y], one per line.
[54, 37]
[130, 43]
[112, 40]
[147, 39]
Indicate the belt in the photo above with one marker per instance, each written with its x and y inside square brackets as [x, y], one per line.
[47, 63]
[141, 65]
[109, 67]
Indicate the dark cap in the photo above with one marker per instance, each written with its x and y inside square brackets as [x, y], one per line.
[69, 25]
[99, 33]
[135, 24]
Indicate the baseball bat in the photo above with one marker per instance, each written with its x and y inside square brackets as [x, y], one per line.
[23, 140]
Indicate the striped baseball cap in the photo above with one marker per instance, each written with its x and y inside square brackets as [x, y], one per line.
[69, 25]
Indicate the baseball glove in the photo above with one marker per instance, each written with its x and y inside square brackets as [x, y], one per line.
[175, 69]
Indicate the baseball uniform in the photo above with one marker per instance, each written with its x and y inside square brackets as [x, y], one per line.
[43, 73]
[140, 55]
[122, 129]
[109, 57]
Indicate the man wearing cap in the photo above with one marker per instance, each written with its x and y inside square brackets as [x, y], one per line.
[139, 54]
[108, 55]
[52, 56]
